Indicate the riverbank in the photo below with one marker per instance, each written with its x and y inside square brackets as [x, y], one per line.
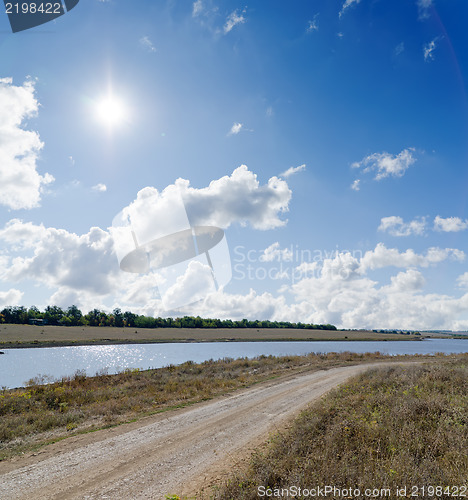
[17, 336]
[389, 430]
[39, 414]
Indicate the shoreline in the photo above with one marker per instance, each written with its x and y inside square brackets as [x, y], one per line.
[78, 343]
[30, 336]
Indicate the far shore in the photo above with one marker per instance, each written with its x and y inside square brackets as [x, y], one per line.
[22, 336]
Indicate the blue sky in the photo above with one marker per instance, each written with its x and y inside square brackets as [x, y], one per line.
[365, 100]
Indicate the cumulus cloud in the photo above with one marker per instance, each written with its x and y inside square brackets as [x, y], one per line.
[21, 235]
[147, 44]
[20, 183]
[340, 292]
[11, 297]
[193, 285]
[428, 49]
[250, 305]
[61, 258]
[355, 186]
[347, 4]
[293, 170]
[235, 129]
[237, 198]
[410, 280]
[387, 165]
[397, 227]
[450, 224]
[274, 252]
[234, 19]
[382, 257]
[339, 289]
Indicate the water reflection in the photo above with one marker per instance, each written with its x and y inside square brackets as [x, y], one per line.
[19, 365]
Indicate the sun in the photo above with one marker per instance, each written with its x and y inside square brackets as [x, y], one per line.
[111, 111]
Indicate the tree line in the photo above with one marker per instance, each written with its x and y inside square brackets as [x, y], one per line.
[72, 316]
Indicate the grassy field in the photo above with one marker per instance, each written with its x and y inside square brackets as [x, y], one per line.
[386, 429]
[41, 336]
[39, 413]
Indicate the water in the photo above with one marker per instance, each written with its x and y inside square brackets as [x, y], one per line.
[17, 366]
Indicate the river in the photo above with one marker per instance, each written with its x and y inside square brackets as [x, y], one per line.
[17, 366]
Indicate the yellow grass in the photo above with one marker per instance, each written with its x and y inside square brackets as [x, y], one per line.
[37, 336]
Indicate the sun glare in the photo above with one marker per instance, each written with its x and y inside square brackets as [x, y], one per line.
[111, 111]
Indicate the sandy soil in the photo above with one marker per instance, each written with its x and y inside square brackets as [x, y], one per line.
[37, 336]
[180, 451]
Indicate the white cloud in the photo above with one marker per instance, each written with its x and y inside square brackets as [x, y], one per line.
[234, 19]
[197, 8]
[429, 48]
[10, 298]
[410, 280]
[397, 227]
[313, 24]
[387, 165]
[340, 293]
[100, 187]
[22, 235]
[83, 270]
[237, 198]
[347, 4]
[355, 186]
[274, 252]
[147, 44]
[450, 224]
[235, 129]
[251, 305]
[462, 280]
[60, 258]
[293, 170]
[424, 7]
[20, 183]
[269, 111]
[382, 257]
[195, 284]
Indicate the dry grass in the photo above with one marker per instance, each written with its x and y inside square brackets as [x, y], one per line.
[39, 412]
[387, 428]
[37, 336]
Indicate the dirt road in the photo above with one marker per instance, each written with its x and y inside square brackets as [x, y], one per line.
[175, 452]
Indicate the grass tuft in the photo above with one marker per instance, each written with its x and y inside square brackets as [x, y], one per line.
[387, 428]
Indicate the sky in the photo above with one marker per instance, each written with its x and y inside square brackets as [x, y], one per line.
[324, 142]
